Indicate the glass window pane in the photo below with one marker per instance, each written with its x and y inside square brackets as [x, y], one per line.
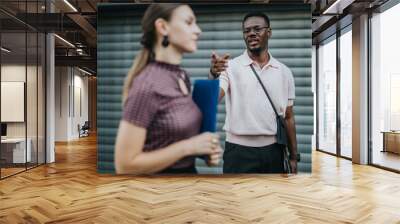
[327, 96]
[41, 99]
[14, 149]
[385, 89]
[31, 97]
[346, 94]
[23, 84]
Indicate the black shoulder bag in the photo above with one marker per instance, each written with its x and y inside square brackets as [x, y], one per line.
[281, 135]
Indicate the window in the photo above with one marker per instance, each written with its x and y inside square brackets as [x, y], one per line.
[23, 77]
[327, 96]
[346, 93]
[385, 89]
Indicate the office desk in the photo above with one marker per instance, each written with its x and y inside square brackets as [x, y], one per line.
[391, 141]
[15, 148]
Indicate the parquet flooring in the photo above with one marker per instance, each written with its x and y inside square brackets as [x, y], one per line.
[387, 159]
[70, 191]
[10, 171]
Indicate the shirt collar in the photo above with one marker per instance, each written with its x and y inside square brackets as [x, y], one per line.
[248, 61]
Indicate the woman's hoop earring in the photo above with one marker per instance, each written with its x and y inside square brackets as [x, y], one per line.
[165, 41]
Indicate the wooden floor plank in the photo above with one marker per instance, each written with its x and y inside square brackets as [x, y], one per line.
[70, 191]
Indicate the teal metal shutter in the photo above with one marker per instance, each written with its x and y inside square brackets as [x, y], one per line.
[119, 35]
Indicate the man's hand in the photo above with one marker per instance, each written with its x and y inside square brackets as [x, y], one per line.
[218, 64]
[293, 166]
[291, 133]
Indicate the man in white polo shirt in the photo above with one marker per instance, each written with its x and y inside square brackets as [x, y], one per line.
[250, 125]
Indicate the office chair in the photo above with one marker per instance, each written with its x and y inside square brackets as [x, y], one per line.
[84, 130]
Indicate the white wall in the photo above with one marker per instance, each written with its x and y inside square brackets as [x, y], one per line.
[61, 103]
[80, 104]
[13, 72]
[16, 73]
[71, 93]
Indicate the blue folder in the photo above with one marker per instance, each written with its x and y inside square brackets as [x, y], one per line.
[205, 95]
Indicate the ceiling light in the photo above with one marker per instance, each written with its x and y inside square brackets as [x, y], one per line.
[5, 49]
[79, 51]
[332, 9]
[84, 71]
[65, 41]
[70, 5]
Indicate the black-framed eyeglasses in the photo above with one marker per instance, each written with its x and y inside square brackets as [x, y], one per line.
[257, 29]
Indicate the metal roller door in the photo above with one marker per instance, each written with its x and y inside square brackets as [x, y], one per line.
[119, 35]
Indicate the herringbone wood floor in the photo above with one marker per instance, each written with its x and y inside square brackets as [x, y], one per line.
[70, 191]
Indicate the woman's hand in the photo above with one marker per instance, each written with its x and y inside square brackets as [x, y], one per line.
[205, 144]
[202, 144]
[215, 158]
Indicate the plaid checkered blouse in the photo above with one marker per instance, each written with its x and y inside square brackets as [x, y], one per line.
[157, 103]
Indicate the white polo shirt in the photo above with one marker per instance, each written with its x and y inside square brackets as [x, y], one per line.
[250, 119]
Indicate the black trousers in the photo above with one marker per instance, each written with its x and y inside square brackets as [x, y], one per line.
[245, 159]
[185, 170]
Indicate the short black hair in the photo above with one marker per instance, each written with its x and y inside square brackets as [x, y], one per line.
[256, 14]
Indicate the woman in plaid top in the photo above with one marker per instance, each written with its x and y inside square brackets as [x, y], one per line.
[159, 130]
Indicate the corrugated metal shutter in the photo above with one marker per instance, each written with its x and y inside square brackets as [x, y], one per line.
[119, 33]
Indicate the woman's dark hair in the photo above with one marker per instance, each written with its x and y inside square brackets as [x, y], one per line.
[149, 39]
